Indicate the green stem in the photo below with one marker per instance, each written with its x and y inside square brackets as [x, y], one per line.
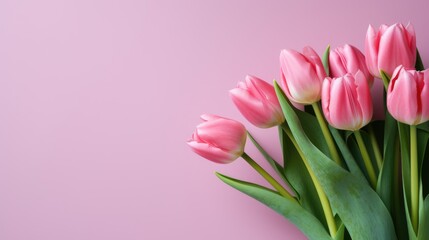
[414, 178]
[268, 177]
[322, 196]
[386, 79]
[366, 159]
[327, 134]
[375, 148]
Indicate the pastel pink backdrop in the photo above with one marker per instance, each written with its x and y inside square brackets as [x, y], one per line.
[97, 99]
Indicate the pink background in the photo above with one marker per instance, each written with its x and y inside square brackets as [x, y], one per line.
[97, 99]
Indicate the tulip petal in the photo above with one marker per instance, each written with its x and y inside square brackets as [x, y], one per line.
[253, 109]
[424, 97]
[411, 36]
[222, 133]
[299, 78]
[346, 102]
[364, 97]
[208, 117]
[394, 50]
[316, 62]
[326, 98]
[336, 63]
[348, 59]
[371, 51]
[402, 98]
[212, 153]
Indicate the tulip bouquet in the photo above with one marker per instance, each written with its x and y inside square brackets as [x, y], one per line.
[348, 175]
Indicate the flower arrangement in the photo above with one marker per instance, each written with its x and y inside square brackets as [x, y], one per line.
[350, 176]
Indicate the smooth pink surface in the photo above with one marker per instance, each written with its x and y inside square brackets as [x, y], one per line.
[301, 75]
[389, 47]
[348, 59]
[257, 101]
[347, 102]
[407, 96]
[98, 98]
[219, 139]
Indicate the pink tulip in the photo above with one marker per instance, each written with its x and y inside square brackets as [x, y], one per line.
[390, 47]
[348, 59]
[302, 75]
[408, 96]
[218, 139]
[257, 101]
[346, 101]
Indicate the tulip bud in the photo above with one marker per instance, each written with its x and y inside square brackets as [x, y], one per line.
[408, 96]
[346, 101]
[219, 139]
[390, 47]
[257, 101]
[348, 59]
[302, 75]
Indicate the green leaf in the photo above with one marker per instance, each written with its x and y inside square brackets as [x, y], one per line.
[359, 207]
[347, 155]
[315, 134]
[387, 174]
[296, 171]
[423, 145]
[419, 63]
[356, 152]
[424, 221]
[404, 137]
[389, 183]
[325, 60]
[289, 209]
[340, 233]
[422, 142]
[274, 164]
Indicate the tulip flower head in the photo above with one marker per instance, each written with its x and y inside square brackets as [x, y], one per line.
[408, 96]
[346, 101]
[257, 101]
[348, 59]
[219, 139]
[302, 75]
[390, 47]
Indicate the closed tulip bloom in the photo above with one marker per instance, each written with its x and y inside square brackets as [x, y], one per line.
[346, 101]
[408, 96]
[257, 101]
[301, 75]
[218, 139]
[390, 47]
[348, 59]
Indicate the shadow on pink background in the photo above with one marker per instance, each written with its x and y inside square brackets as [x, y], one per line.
[97, 99]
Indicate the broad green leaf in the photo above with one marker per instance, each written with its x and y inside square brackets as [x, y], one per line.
[389, 182]
[297, 173]
[347, 155]
[404, 137]
[289, 209]
[312, 130]
[359, 207]
[424, 221]
[325, 60]
[386, 177]
[356, 152]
